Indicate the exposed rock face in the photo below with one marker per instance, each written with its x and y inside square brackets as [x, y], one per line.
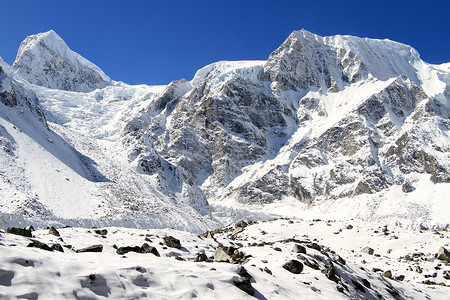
[19, 231]
[443, 254]
[44, 59]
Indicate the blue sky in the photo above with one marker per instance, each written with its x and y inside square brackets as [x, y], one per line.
[155, 42]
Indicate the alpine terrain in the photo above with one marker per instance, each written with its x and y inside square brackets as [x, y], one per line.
[339, 128]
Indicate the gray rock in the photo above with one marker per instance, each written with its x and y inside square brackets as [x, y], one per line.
[172, 242]
[146, 248]
[93, 248]
[52, 230]
[201, 257]
[245, 285]
[126, 249]
[101, 231]
[367, 250]
[224, 254]
[293, 266]
[443, 254]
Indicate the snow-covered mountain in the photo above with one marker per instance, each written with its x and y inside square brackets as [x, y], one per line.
[343, 126]
[45, 59]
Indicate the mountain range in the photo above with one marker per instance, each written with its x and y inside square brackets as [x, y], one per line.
[337, 127]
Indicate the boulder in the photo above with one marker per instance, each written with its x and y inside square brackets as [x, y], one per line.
[299, 249]
[172, 242]
[201, 257]
[224, 254]
[52, 230]
[19, 231]
[40, 245]
[443, 254]
[57, 247]
[101, 231]
[93, 248]
[367, 250]
[146, 248]
[293, 266]
[245, 286]
[387, 274]
[126, 249]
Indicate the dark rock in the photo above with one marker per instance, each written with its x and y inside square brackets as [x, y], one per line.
[340, 288]
[309, 263]
[92, 277]
[245, 286]
[29, 227]
[57, 247]
[172, 242]
[446, 275]
[314, 246]
[267, 270]
[53, 231]
[349, 227]
[299, 249]
[241, 224]
[101, 231]
[358, 286]
[93, 248]
[244, 273]
[180, 258]
[277, 249]
[394, 293]
[366, 283]
[400, 277]
[407, 187]
[146, 248]
[293, 266]
[330, 273]
[201, 257]
[367, 250]
[443, 254]
[40, 245]
[126, 249]
[19, 231]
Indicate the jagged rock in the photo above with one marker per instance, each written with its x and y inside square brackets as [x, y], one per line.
[19, 231]
[244, 284]
[101, 231]
[367, 250]
[314, 246]
[446, 274]
[201, 257]
[267, 270]
[57, 247]
[93, 248]
[40, 245]
[172, 242]
[299, 249]
[293, 266]
[225, 254]
[126, 249]
[207, 235]
[241, 224]
[407, 187]
[387, 274]
[443, 254]
[330, 273]
[400, 277]
[358, 286]
[53, 231]
[236, 231]
[146, 248]
[309, 263]
[366, 283]
[29, 227]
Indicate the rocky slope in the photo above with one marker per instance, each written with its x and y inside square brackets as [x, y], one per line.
[340, 125]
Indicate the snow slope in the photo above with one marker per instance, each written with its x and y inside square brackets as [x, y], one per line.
[27, 272]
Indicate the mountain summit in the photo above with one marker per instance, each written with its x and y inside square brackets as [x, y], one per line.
[340, 126]
[45, 59]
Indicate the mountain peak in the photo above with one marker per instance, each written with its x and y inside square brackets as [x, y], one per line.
[45, 59]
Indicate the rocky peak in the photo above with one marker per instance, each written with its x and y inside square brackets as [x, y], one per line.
[45, 59]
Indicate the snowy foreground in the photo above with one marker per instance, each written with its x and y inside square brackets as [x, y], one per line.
[334, 267]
